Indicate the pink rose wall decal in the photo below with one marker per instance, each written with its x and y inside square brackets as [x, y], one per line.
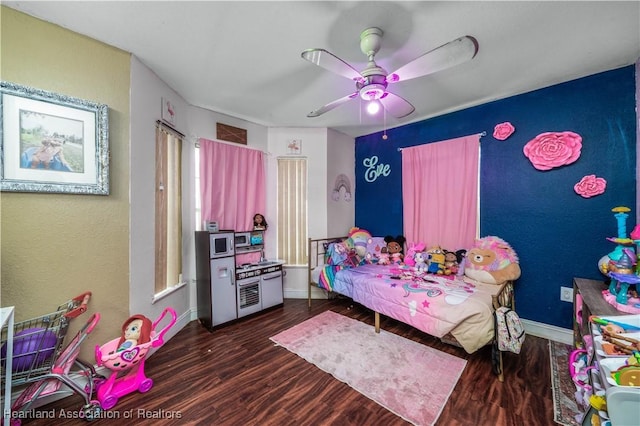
[590, 186]
[503, 130]
[553, 149]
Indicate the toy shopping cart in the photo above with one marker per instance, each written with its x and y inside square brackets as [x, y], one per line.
[61, 373]
[127, 366]
[37, 342]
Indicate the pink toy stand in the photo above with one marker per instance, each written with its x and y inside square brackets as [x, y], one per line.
[127, 366]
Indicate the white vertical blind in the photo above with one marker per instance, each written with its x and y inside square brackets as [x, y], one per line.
[292, 210]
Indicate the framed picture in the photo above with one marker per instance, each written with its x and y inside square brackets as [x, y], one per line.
[52, 143]
[294, 147]
[168, 111]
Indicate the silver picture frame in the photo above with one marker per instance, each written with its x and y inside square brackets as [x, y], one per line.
[52, 143]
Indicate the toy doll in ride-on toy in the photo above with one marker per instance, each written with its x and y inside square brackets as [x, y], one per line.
[491, 260]
[135, 331]
[395, 248]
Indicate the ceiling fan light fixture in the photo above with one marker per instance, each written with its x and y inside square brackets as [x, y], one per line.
[372, 91]
[373, 107]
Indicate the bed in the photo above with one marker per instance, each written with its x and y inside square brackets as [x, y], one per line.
[458, 311]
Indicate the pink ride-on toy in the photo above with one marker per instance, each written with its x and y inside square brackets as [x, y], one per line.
[127, 366]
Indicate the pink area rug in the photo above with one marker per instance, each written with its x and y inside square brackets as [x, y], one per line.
[411, 380]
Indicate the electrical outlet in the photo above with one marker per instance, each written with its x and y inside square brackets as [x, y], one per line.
[566, 294]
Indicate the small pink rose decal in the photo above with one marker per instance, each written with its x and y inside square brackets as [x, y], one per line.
[503, 130]
[553, 149]
[590, 186]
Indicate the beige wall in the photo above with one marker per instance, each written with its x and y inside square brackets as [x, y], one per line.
[54, 246]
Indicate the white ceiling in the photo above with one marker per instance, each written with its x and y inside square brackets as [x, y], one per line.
[243, 58]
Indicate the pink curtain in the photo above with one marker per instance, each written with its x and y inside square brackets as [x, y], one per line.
[232, 184]
[440, 192]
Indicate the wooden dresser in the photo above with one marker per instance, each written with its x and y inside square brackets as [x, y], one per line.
[592, 304]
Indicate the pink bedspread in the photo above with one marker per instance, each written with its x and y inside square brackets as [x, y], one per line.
[434, 304]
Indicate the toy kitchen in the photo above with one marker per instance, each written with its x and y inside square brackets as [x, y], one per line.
[228, 286]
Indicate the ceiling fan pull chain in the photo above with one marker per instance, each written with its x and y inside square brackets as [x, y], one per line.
[384, 121]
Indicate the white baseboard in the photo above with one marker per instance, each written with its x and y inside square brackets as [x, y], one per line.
[303, 294]
[547, 331]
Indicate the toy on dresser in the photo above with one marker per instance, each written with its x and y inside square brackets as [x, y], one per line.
[620, 345]
[621, 266]
[615, 377]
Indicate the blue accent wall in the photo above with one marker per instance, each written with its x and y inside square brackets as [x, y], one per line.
[557, 234]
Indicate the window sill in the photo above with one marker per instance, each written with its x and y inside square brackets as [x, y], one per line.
[164, 293]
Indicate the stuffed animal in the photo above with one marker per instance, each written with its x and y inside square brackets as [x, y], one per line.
[435, 256]
[414, 248]
[491, 260]
[358, 239]
[384, 259]
[421, 259]
[395, 247]
[135, 331]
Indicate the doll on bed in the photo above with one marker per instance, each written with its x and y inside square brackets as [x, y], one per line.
[395, 248]
[135, 331]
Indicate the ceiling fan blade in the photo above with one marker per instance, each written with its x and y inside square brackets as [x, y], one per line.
[328, 107]
[329, 61]
[395, 105]
[446, 56]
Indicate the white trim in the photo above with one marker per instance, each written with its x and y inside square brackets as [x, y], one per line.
[167, 291]
[547, 331]
[294, 293]
[194, 314]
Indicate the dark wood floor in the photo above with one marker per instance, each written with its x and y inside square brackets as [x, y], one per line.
[236, 376]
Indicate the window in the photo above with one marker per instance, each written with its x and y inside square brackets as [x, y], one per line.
[198, 198]
[292, 210]
[168, 209]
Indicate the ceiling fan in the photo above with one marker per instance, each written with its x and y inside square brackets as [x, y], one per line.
[372, 82]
